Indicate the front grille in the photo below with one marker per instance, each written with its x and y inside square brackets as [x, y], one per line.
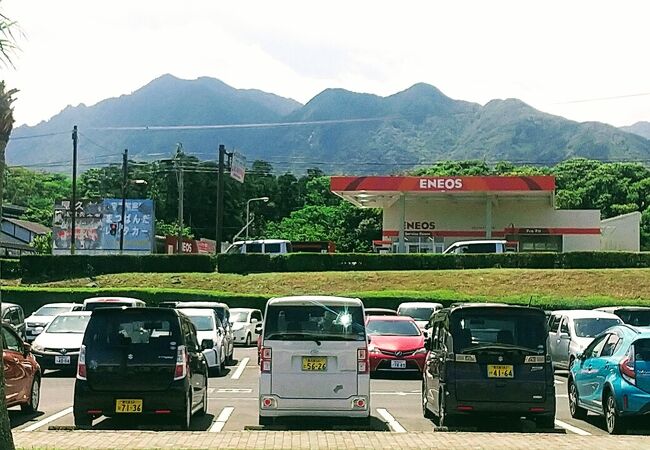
[388, 352]
[58, 350]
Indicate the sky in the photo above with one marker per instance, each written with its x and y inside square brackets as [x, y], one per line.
[584, 60]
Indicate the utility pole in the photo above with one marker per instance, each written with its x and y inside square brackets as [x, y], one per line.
[220, 188]
[73, 234]
[179, 179]
[125, 180]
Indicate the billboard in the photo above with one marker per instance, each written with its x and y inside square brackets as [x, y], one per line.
[238, 167]
[98, 226]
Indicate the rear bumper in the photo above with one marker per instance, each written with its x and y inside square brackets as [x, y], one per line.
[288, 407]
[47, 361]
[103, 402]
[638, 401]
[496, 407]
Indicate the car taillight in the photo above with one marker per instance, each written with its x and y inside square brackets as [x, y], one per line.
[81, 364]
[362, 360]
[180, 371]
[626, 366]
[265, 360]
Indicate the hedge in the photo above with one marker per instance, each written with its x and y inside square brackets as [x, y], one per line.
[9, 268]
[32, 298]
[316, 262]
[37, 268]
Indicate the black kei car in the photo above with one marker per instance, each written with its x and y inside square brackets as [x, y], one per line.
[488, 359]
[140, 361]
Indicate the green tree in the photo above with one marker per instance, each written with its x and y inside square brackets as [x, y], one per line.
[43, 244]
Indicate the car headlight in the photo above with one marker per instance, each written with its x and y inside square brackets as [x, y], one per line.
[419, 351]
[38, 347]
[373, 349]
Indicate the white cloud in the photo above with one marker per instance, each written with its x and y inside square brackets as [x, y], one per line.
[545, 53]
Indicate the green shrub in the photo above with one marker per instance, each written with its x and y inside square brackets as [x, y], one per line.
[58, 267]
[9, 268]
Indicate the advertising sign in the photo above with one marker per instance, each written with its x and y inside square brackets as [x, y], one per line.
[238, 167]
[444, 184]
[98, 226]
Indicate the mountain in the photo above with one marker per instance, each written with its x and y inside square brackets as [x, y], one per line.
[640, 128]
[338, 131]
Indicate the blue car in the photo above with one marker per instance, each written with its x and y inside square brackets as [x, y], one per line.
[612, 377]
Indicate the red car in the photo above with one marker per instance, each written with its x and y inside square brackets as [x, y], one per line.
[396, 344]
[22, 372]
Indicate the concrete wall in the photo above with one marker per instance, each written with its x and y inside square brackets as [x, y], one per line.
[621, 233]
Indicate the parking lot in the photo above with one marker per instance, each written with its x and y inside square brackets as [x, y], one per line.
[395, 404]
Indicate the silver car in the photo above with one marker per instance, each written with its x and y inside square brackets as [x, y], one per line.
[571, 331]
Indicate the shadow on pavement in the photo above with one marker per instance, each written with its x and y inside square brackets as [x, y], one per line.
[149, 423]
[498, 425]
[321, 424]
[396, 375]
[60, 373]
[638, 426]
[18, 418]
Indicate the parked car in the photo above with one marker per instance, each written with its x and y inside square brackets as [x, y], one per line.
[480, 246]
[421, 312]
[13, 315]
[488, 359]
[314, 359]
[268, 246]
[140, 361]
[57, 347]
[208, 327]
[637, 316]
[91, 304]
[396, 344]
[21, 371]
[223, 312]
[612, 377]
[380, 312]
[246, 325]
[41, 318]
[571, 331]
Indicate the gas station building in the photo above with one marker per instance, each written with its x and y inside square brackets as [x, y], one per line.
[428, 214]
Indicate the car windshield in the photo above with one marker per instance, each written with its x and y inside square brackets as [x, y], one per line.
[392, 328]
[638, 318]
[495, 327]
[315, 321]
[238, 316]
[593, 326]
[417, 313]
[51, 310]
[203, 323]
[68, 324]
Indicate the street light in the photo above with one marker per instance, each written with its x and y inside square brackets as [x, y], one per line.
[248, 205]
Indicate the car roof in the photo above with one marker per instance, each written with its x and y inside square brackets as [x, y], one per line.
[481, 241]
[8, 305]
[61, 304]
[243, 309]
[200, 304]
[305, 300]
[126, 310]
[75, 313]
[419, 304]
[110, 298]
[623, 308]
[479, 305]
[394, 318]
[585, 314]
[196, 311]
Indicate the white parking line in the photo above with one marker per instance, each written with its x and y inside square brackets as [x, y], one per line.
[390, 420]
[571, 428]
[234, 391]
[394, 393]
[221, 420]
[559, 382]
[49, 419]
[240, 369]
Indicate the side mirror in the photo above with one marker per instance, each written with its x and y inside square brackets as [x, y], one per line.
[254, 320]
[427, 326]
[26, 348]
[258, 328]
[206, 344]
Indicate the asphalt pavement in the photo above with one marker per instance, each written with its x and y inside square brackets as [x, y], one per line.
[395, 404]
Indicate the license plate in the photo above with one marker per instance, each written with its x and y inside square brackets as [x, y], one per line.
[312, 364]
[500, 371]
[398, 364]
[61, 360]
[128, 406]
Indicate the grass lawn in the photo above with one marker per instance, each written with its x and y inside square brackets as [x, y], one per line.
[628, 284]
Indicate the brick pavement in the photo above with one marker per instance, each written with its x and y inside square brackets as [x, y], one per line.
[344, 440]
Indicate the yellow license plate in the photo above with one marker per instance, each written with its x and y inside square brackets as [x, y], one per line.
[128, 406]
[500, 371]
[314, 364]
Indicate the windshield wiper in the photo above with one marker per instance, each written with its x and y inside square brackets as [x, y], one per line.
[500, 346]
[287, 336]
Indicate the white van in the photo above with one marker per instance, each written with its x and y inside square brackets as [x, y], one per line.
[270, 246]
[482, 246]
[314, 359]
[90, 304]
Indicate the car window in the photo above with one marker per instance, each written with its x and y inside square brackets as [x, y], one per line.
[592, 327]
[203, 323]
[235, 248]
[254, 248]
[68, 324]
[257, 315]
[272, 248]
[642, 350]
[564, 328]
[315, 320]
[611, 345]
[638, 318]
[10, 341]
[594, 349]
[481, 248]
[417, 313]
[555, 323]
[392, 328]
[124, 328]
[190, 336]
[51, 310]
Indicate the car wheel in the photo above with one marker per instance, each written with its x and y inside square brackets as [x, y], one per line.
[204, 409]
[34, 397]
[82, 420]
[426, 412]
[614, 422]
[229, 359]
[576, 411]
[186, 416]
[248, 340]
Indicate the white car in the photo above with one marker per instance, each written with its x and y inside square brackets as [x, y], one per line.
[208, 327]
[246, 325]
[57, 347]
[41, 318]
[421, 312]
